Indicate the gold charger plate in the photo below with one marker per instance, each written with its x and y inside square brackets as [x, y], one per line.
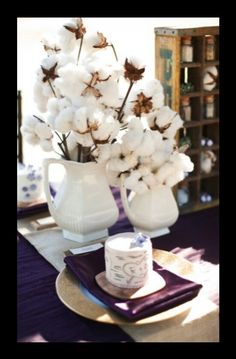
[72, 296]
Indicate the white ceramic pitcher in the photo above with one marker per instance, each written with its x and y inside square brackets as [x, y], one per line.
[84, 206]
[151, 212]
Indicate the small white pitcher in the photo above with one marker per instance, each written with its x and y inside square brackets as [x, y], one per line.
[84, 206]
[151, 212]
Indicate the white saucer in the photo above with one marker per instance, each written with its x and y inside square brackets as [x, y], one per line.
[154, 284]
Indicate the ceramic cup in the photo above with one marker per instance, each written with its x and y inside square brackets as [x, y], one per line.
[29, 184]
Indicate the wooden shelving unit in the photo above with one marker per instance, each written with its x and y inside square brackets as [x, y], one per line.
[172, 72]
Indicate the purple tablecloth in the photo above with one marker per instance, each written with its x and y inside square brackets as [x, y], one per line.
[41, 315]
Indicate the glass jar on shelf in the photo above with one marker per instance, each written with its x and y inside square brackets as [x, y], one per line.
[183, 195]
[210, 48]
[187, 49]
[185, 109]
[209, 107]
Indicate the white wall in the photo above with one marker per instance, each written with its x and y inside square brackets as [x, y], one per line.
[131, 36]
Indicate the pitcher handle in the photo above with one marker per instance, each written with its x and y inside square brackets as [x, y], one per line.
[124, 198]
[46, 163]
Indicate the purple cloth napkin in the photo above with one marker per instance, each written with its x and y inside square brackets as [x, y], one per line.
[177, 290]
[30, 211]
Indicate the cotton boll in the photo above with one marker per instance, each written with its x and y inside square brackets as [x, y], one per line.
[51, 121]
[132, 139]
[30, 138]
[48, 62]
[147, 146]
[94, 64]
[151, 118]
[106, 71]
[63, 122]
[67, 40]
[117, 71]
[135, 124]
[158, 101]
[87, 101]
[114, 127]
[47, 90]
[144, 170]
[113, 177]
[64, 59]
[39, 98]
[157, 139]
[159, 158]
[149, 180]
[140, 187]
[104, 153]
[110, 93]
[43, 131]
[92, 40]
[164, 172]
[64, 103]
[108, 111]
[182, 162]
[132, 180]
[83, 73]
[154, 89]
[53, 106]
[50, 45]
[46, 145]
[126, 118]
[85, 140]
[128, 109]
[115, 149]
[80, 122]
[131, 101]
[131, 160]
[108, 129]
[165, 116]
[144, 121]
[176, 124]
[173, 179]
[139, 104]
[117, 164]
[168, 145]
[30, 122]
[72, 80]
[136, 62]
[42, 87]
[145, 160]
[125, 151]
[28, 130]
